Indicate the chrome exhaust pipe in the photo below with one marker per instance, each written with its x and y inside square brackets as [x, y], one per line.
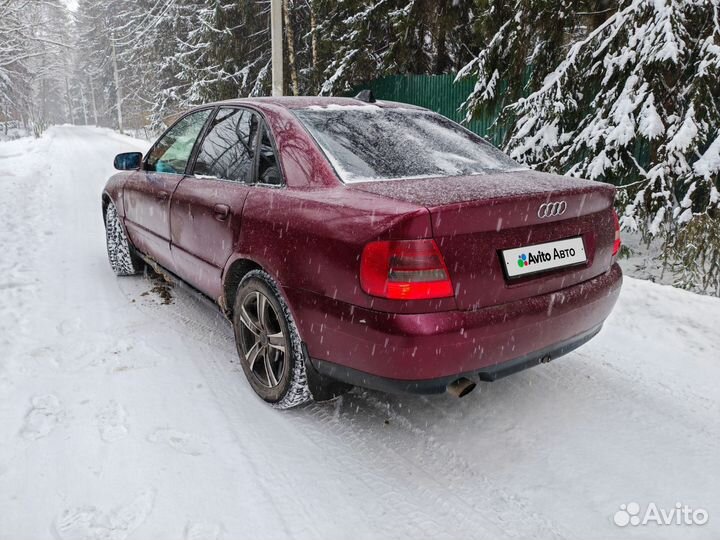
[461, 387]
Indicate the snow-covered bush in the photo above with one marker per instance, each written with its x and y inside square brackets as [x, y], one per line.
[634, 101]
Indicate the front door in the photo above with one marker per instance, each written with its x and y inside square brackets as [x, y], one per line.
[147, 194]
[207, 206]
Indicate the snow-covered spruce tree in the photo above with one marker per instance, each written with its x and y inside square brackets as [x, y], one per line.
[169, 52]
[635, 101]
[514, 36]
[361, 33]
[221, 51]
[373, 38]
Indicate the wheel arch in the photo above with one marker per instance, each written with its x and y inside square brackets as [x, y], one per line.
[112, 195]
[234, 273]
[106, 200]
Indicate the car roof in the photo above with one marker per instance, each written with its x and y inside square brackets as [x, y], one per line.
[304, 102]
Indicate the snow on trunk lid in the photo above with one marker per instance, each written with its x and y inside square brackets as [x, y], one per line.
[475, 218]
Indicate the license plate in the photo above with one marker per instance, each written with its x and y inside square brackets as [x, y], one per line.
[528, 260]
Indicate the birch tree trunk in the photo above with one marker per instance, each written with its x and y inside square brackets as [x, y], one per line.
[84, 105]
[69, 101]
[314, 42]
[118, 90]
[94, 103]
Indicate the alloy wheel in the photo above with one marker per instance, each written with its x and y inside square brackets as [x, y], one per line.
[263, 341]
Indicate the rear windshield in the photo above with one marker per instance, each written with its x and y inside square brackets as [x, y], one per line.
[366, 143]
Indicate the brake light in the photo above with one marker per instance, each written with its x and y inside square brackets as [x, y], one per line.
[618, 242]
[404, 270]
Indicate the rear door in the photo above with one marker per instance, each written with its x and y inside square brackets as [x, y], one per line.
[206, 208]
[147, 194]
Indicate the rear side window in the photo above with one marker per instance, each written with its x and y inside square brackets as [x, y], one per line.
[268, 167]
[228, 150]
[172, 152]
[366, 143]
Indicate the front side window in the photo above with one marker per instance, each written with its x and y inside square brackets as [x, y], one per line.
[172, 152]
[228, 150]
[367, 143]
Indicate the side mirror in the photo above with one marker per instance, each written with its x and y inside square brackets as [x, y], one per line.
[128, 161]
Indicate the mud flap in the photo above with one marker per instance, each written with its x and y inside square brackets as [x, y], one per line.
[322, 387]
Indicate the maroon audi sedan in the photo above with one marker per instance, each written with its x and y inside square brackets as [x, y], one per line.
[354, 242]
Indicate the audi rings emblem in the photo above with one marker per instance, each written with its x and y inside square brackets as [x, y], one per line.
[552, 209]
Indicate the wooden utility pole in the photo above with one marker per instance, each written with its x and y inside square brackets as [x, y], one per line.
[276, 37]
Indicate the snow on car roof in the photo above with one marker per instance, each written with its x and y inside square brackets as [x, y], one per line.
[305, 102]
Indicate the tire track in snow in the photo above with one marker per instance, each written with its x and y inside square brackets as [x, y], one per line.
[18, 281]
[218, 373]
[211, 337]
[686, 396]
[583, 375]
[180, 441]
[514, 520]
[481, 496]
[463, 493]
[388, 483]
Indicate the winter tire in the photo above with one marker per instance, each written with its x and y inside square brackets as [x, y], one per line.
[268, 342]
[122, 260]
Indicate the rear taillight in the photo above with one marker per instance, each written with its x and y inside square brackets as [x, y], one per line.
[404, 270]
[618, 242]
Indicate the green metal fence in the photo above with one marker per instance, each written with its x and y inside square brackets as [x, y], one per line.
[438, 93]
[441, 94]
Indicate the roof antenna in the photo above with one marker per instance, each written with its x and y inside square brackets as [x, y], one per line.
[366, 95]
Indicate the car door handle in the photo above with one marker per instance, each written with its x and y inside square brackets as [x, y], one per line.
[162, 196]
[222, 212]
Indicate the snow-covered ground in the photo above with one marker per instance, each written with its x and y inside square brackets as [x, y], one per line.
[122, 416]
[11, 130]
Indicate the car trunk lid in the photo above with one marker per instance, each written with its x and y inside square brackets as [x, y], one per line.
[475, 218]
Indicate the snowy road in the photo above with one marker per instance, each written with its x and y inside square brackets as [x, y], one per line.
[124, 417]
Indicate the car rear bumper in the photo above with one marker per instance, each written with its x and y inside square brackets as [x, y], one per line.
[440, 385]
[424, 352]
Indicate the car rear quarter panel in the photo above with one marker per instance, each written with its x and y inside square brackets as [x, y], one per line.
[312, 240]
